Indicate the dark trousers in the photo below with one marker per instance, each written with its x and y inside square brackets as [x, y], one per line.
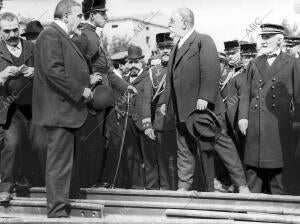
[227, 151]
[59, 165]
[138, 148]
[14, 135]
[262, 180]
[188, 150]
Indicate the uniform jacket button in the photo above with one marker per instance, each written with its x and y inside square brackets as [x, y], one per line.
[260, 81]
[273, 87]
[259, 88]
[257, 97]
[274, 79]
[255, 105]
[273, 105]
[274, 96]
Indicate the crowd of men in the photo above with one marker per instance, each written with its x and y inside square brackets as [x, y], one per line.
[235, 109]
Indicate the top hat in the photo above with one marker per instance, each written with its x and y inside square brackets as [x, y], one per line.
[164, 39]
[93, 5]
[135, 53]
[33, 28]
[248, 49]
[269, 28]
[231, 45]
[203, 125]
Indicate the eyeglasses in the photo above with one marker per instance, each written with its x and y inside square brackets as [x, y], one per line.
[12, 30]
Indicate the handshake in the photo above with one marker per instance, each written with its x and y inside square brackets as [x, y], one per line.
[10, 71]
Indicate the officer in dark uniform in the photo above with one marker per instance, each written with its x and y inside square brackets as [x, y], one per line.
[163, 123]
[225, 145]
[292, 46]
[91, 46]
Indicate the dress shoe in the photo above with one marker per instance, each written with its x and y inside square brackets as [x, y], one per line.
[182, 189]
[5, 197]
[244, 189]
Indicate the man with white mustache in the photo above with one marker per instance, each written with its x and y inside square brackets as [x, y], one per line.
[266, 105]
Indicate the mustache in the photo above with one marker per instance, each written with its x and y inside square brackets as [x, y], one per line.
[12, 39]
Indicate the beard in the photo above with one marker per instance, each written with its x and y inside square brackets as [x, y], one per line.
[134, 71]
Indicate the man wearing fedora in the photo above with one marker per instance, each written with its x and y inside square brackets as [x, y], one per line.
[192, 82]
[32, 31]
[140, 136]
[266, 112]
[16, 70]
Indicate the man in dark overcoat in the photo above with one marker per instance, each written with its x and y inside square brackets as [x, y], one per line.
[272, 80]
[15, 105]
[60, 90]
[192, 82]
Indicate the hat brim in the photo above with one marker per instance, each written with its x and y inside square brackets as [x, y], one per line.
[26, 34]
[165, 44]
[270, 33]
[231, 50]
[136, 58]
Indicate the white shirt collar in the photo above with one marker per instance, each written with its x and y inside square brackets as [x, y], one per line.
[133, 78]
[62, 25]
[16, 50]
[88, 22]
[186, 36]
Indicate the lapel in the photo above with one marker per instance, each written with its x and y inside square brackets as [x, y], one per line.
[171, 59]
[63, 34]
[184, 48]
[262, 65]
[4, 53]
[27, 50]
[140, 77]
[279, 62]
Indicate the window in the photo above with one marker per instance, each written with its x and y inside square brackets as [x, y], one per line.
[114, 26]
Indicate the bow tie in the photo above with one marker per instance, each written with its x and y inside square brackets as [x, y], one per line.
[271, 55]
[133, 75]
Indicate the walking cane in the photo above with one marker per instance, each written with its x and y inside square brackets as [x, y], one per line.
[129, 95]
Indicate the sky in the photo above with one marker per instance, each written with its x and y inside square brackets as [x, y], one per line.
[222, 19]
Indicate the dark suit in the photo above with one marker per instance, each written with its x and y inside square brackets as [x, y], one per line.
[61, 74]
[193, 73]
[137, 145]
[266, 104]
[14, 117]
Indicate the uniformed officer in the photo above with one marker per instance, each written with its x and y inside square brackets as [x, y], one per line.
[91, 46]
[273, 79]
[292, 46]
[165, 152]
[225, 145]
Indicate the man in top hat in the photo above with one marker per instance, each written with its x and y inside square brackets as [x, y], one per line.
[140, 134]
[265, 111]
[162, 124]
[192, 80]
[32, 31]
[225, 144]
[16, 70]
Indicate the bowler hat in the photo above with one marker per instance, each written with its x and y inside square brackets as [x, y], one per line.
[203, 124]
[20, 88]
[103, 97]
[33, 28]
[134, 53]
